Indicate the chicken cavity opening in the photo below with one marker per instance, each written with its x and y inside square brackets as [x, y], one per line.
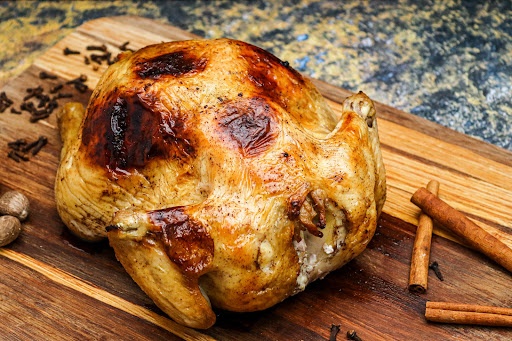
[316, 248]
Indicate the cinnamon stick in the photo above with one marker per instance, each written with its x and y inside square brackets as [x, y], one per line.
[455, 221]
[421, 251]
[470, 308]
[468, 314]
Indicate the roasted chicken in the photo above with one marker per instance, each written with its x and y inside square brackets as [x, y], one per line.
[220, 176]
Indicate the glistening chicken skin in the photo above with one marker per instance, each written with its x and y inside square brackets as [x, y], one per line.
[219, 175]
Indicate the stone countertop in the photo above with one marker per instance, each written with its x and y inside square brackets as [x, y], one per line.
[450, 61]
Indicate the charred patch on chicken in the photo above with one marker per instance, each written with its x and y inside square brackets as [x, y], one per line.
[250, 125]
[262, 70]
[188, 243]
[126, 132]
[174, 64]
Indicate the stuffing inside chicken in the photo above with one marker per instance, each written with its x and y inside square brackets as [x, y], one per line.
[220, 176]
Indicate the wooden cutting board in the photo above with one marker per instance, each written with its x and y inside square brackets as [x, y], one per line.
[55, 286]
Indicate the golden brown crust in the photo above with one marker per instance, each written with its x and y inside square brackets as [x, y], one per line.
[254, 187]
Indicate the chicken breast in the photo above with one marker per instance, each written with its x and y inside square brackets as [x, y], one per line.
[220, 176]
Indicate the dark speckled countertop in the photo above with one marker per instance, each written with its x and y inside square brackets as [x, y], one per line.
[447, 61]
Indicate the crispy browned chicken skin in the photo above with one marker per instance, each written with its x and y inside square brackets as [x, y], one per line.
[219, 174]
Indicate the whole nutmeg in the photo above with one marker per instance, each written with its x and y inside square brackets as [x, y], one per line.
[10, 228]
[14, 203]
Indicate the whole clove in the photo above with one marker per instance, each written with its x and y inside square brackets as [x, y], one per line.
[334, 332]
[68, 51]
[435, 267]
[97, 48]
[20, 155]
[41, 142]
[63, 95]
[13, 156]
[124, 47]
[352, 335]
[112, 61]
[86, 60]
[45, 75]
[33, 92]
[81, 87]
[56, 88]
[96, 59]
[28, 106]
[107, 56]
[79, 83]
[17, 143]
[37, 117]
[4, 98]
[43, 100]
[30, 146]
[99, 58]
[14, 111]
[52, 105]
[5, 102]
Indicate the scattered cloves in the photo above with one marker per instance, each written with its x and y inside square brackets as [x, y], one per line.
[19, 148]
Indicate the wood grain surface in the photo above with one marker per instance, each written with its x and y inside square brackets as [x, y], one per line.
[55, 286]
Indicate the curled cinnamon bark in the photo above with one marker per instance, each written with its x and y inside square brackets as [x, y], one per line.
[455, 221]
[421, 252]
[468, 314]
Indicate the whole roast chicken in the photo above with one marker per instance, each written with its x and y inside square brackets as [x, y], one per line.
[220, 176]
